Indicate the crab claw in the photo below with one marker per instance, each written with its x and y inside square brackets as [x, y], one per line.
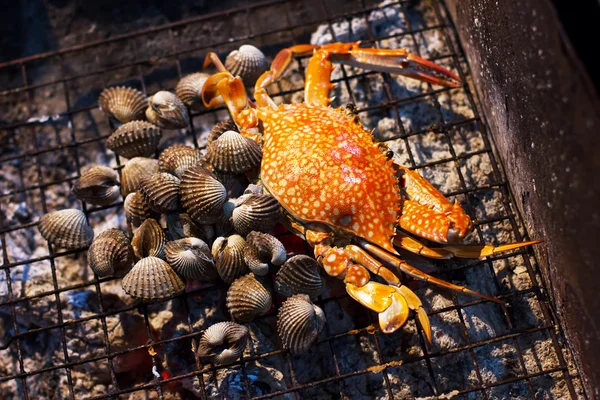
[428, 71]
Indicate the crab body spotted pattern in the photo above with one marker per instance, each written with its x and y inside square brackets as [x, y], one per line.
[339, 189]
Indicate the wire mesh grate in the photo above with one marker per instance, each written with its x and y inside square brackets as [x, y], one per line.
[351, 358]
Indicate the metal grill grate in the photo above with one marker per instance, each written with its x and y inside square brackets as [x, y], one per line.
[31, 144]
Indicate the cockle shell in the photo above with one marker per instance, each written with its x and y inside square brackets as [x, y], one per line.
[135, 139]
[299, 274]
[149, 240]
[152, 279]
[181, 226]
[68, 229]
[134, 171]
[189, 90]
[191, 258]
[248, 297]
[248, 62]
[136, 209]
[177, 158]
[219, 129]
[123, 103]
[110, 253]
[161, 192]
[262, 250]
[299, 323]
[254, 212]
[232, 152]
[223, 342]
[229, 257]
[167, 111]
[99, 186]
[202, 195]
[234, 183]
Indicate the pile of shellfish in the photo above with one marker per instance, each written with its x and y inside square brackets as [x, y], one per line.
[193, 215]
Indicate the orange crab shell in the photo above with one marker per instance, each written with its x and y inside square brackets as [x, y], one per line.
[323, 166]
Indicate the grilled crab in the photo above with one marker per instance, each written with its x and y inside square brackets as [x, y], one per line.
[339, 190]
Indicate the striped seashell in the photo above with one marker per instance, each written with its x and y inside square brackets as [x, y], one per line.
[167, 111]
[189, 90]
[99, 186]
[234, 184]
[229, 257]
[248, 297]
[135, 139]
[223, 342]
[161, 192]
[177, 158]
[299, 323]
[110, 253]
[202, 195]
[134, 171]
[149, 240]
[262, 250]
[68, 229]
[219, 129]
[248, 62]
[255, 212]
[299, 275]
[123, 103]
[191, 258]
[232, 152]
[136, 209]
[181, 226]
[152, 279]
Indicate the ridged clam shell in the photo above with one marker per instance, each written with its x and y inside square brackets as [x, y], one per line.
[152, 279]
[189, 90]
[263, 250]
[136, 209]
[234, 184]
[123, 103]
[232, 152]
[167, 111]
[181, 226]
[223, 342]
[135, 139]
[202, 195]
[134, 171]
[99, 186]
[229, 257]
[191, 258]
[68, 229]
[299, 274]
[255, 213]
[110, 253]
[248, 297]
[161, 192]
[149, 240]
[219, 129]
[299, 323]
[177, 158]
[248, 62]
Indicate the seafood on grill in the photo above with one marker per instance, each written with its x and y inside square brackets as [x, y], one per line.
[152, 279]
[254, 212]
[228, 253]
[149, 240]
[191, 258]
[68, 229]
[161, 192]
[110, 253]
[223, 342]
[135, 139]
[202, 195]
[167, 111]
[248, 62]
[99, 185]
[339, 189]
[299, 322]
[263, 250]
[136, 209]
[248, 297]
[134, 171]
[231, 152]
[299, 275]
[189, 90]
[123, 103]
[177, 158]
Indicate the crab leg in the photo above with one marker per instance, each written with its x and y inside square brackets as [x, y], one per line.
[446, 252]
[418, 274]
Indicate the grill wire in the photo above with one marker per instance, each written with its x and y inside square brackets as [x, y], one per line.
[284, 37]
